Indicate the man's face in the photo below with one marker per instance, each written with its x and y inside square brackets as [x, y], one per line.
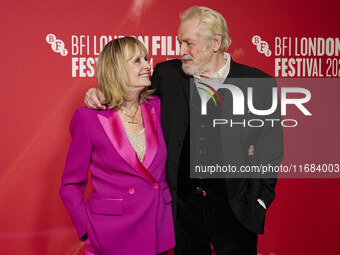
[195, 50]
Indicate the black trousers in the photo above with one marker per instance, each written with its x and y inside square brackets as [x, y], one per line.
[201, 221]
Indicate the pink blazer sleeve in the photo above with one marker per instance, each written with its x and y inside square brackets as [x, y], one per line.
[74, 178]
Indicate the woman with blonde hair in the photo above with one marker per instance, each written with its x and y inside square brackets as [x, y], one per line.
[129, 209]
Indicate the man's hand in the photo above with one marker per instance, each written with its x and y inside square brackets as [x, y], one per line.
[94, 99]
[251, 150]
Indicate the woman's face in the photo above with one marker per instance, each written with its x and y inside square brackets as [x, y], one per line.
[139, 71]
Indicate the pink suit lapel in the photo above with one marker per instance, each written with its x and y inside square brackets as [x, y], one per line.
[151, 137]
[115, 131]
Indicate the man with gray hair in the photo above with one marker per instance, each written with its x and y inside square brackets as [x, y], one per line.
[229, 212]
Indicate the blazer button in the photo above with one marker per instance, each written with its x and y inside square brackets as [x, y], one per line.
[131, 191]
[155, 185]
[179, 143]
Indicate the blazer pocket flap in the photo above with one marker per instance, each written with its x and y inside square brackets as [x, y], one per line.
[106, 206]
[167, 195]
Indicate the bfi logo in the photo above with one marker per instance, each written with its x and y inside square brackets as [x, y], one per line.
[58, 46]
[261, 46]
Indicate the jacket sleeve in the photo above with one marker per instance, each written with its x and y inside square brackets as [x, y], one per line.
[74, 178]
[269, 146]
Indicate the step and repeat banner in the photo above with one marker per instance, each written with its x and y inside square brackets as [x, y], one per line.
[49, 51]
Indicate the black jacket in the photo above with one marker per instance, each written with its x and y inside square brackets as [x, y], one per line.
[173, 88]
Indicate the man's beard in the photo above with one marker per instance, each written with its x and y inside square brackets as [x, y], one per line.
[194, 68]
[190, 69]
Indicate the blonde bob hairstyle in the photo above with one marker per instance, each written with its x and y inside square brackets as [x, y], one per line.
[213, 23]
[112, 70]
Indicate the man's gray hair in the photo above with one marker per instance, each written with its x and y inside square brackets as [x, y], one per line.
[212, 22]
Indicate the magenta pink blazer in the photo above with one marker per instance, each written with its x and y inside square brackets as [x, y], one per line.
[129, 209]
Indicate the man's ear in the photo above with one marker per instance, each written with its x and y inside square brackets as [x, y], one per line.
[217, 40]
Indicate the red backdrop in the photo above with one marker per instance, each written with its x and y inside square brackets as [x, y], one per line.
[41, 88]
